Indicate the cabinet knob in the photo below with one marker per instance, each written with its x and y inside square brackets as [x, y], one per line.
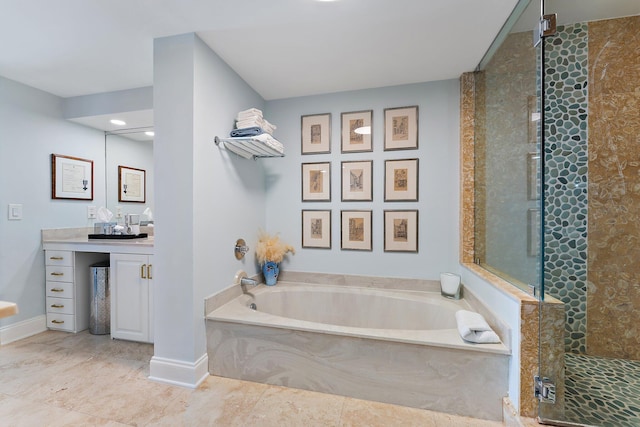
[58, 322]
[149, 271]
[57, 306]
[57, 290]
[56, 258]
[55, 273]
[143, 274]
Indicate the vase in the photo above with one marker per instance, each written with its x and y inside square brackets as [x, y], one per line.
[270, 271]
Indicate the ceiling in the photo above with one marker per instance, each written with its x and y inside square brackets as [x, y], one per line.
[281, 48]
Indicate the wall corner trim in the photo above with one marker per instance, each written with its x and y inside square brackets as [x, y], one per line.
[179, 372]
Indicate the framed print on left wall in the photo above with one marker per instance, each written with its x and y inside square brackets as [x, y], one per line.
[71, 178]
[132, 184]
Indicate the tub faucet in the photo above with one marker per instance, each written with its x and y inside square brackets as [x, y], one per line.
[243, 280]
[246, 281]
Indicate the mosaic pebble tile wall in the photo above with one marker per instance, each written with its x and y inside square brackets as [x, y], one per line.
[592, 123]
[566, 158]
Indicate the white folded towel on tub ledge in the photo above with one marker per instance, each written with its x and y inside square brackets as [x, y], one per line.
[473, 328]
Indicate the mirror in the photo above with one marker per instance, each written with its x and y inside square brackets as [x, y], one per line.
[132, 149]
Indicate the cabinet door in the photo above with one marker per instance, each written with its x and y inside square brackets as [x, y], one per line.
[130, 297]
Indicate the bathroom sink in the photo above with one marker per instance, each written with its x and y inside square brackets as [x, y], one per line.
[119, 236]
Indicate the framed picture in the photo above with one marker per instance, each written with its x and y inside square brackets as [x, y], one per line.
[131, 185]
[401, 128]
[533, 176]
[316, 133]
[401, 180]
[357, 181]
[316, 182]
[401, 231]
[356, 131]
[316, 229]
[71, 178]
[533, 232]
[356, 230]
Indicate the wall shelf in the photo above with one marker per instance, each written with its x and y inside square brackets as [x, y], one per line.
[247, 147]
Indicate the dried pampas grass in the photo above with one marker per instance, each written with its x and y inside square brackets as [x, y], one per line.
[271, 248]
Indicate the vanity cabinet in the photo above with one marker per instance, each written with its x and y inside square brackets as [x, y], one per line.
[132, 297]
[67, 289]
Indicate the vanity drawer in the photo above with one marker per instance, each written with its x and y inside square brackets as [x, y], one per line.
[59, 273]
[65, 322]
[59, 289]
[59, 305]
[64, 258]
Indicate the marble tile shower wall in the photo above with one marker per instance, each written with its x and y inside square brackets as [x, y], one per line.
[613, 298]
[566, 158]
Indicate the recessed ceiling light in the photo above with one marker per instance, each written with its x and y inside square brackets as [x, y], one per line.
[150, 133]
[118, 122]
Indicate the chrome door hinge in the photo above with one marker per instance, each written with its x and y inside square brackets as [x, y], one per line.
[546, 27]
[544, 389]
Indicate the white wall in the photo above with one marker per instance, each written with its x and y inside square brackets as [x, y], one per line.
[32, 128]
[205, 198]
[438, 203]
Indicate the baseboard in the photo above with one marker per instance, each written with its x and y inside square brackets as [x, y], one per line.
[23, 329]
[178, 372]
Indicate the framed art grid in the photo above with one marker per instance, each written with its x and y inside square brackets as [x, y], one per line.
[316, 133]
[355, 230]
[357, 181]
[316, 182]
[356, 133]
[401, 180]
[401, 128]
[401, 231]
[316, 229]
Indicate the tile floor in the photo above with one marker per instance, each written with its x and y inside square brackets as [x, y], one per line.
[61, 379]
[602, 391]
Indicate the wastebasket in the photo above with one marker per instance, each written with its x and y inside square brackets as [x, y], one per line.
[100, 299]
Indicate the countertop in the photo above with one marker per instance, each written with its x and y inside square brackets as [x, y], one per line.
[77, 239]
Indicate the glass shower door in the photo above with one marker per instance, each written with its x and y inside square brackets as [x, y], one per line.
[590, 305]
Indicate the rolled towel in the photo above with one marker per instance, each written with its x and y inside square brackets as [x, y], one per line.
[473, 328]
[252, 131]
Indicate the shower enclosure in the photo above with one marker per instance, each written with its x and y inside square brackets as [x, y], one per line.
[558, 196]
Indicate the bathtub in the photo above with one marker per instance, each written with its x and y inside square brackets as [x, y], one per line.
[394, 346]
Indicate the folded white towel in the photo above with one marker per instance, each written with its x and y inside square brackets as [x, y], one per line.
[250, 113]
[473, 328]
[270, 141]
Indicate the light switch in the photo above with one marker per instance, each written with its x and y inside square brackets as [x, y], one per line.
[91, 212]
[118, 211]
[15, 212]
